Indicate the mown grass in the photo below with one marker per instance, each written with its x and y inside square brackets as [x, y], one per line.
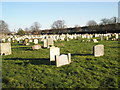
[26, 68]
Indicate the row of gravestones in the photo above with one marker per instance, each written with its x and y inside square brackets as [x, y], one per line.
[62, 37]
[98, 50]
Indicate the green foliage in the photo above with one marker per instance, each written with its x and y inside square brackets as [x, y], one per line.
[26, 68]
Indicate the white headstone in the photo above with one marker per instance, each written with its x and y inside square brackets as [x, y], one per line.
[69, 57]
[98, 50]
[95, 40]
[50, 41]
[45, 43]
[5, 48]
[35, 41]
[63, 60]
[54, 51]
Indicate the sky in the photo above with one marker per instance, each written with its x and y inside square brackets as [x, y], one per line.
[24, 14]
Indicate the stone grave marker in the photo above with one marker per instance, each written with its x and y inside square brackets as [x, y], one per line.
[95, 40]
[69, 57]
[50, 42]
[5, 48]
[101, 38]
[30, 40]
[45, 43]
[117, 36]
[98, 50]
[63, 59]
[54, 51]
[36, 47]
[35, 41]
[26, 41]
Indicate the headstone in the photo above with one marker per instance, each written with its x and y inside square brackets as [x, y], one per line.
[5, 48]
[95, 40]
[107, 38]
[54, 51]
[50, 42]
[101, 38]
[26, 41]
[35, 41]
[98, 50]
[63, 60]
[45, 43]
[117, 36]
[36, 47]
[30, 40]
[69, 57]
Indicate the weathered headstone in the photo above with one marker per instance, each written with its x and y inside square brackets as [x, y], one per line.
[95, 40]
[35, 41]
[36, 47]
[101, 38]
[98, 50]
[54, 51]
[50, 42]
[63, 60]
[26, 41]
[45, 43]
[5, 48]
[30, 40]
[69, 57]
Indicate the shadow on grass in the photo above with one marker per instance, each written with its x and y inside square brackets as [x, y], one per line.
[114, 47]
[35, 61]
[24, 48]
[81, 54]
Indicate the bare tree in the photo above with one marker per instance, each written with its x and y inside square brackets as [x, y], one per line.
[106, 21]
[3, 27]
[35, 28]
[114, 20]
[59, 24]
[27, 31]
[91, 23]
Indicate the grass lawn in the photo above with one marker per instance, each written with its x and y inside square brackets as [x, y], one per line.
[26, 68]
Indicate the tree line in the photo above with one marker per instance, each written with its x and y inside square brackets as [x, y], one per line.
[106, 24]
